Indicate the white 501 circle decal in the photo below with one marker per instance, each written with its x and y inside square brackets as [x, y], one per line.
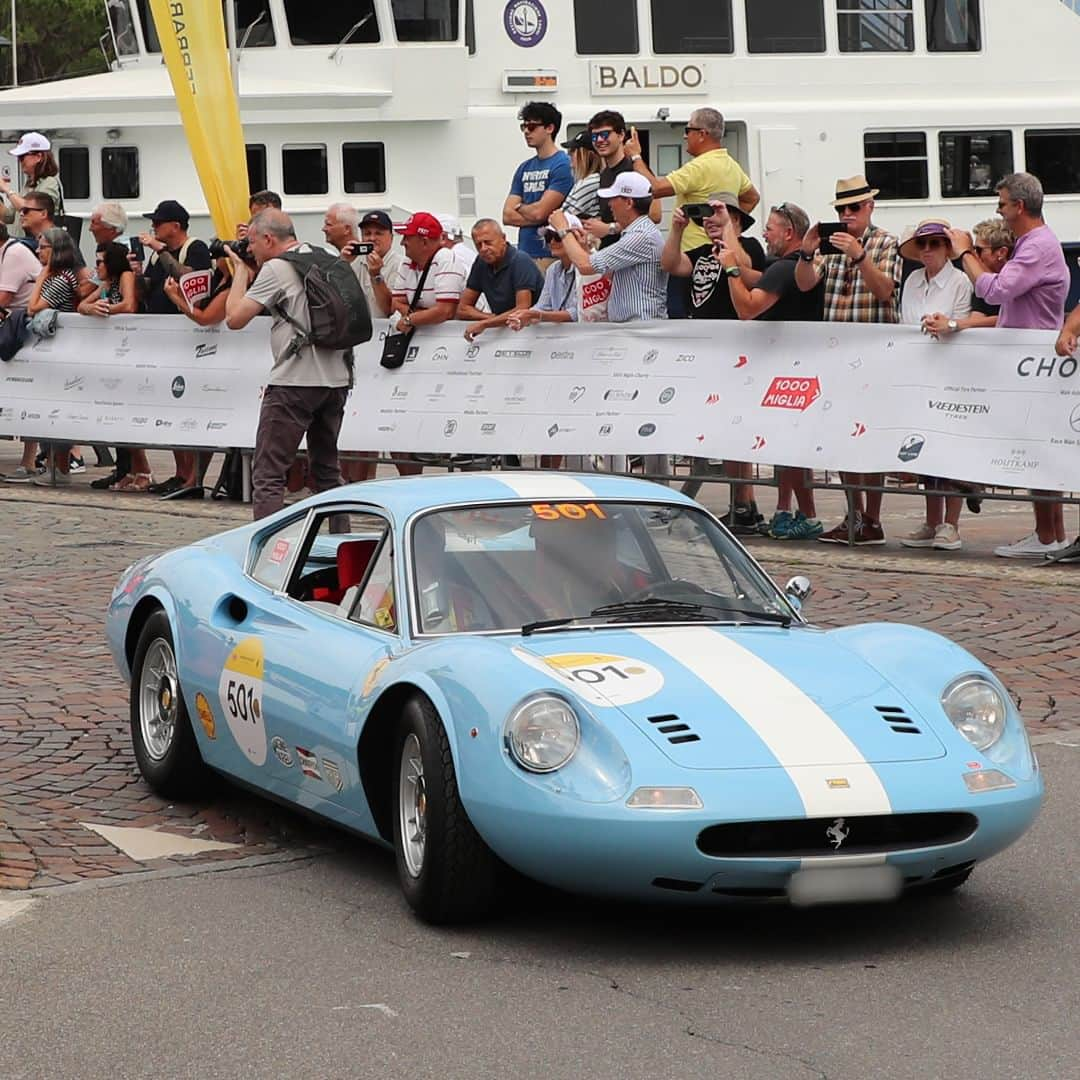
[600, 678]
[241, 694]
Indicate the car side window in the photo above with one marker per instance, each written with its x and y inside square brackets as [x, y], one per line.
[375, 606]
[275, 553]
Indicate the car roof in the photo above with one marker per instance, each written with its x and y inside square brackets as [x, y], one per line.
[407, 495]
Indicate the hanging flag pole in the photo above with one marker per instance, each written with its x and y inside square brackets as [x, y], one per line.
[230, 37]
[14, 48]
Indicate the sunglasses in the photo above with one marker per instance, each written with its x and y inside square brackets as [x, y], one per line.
[784, 212]
[1007, 202]
[688, 129]
[850, 208]
[979, 249]
[31, 210]
[603, 135]
[924, 242]
[531, 125]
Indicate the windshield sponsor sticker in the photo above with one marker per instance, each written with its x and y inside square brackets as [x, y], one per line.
[241, 692]
[600, 678]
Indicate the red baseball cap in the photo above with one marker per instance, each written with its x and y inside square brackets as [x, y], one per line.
[421, 224]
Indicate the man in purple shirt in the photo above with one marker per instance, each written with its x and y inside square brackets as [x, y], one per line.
[1031, 289]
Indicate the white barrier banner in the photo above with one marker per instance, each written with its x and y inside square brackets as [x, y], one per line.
[990, 406]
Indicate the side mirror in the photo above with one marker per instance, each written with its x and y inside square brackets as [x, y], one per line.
[798, 589]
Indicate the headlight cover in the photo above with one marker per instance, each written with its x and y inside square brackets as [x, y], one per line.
[976, 709]
[542, 733]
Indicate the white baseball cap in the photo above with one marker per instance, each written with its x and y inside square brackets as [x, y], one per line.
[451, 227]
[628, 185]
[33, 142]
[572, 222]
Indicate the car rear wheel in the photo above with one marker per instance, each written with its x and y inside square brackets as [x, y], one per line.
[446, 871]
[165, 747]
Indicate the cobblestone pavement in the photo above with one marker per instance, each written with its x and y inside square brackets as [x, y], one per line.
[65, 755]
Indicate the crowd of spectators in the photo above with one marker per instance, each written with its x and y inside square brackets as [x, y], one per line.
[587, 210]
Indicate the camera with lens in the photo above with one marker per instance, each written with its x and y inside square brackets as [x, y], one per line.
[240, 248]
[698, 212]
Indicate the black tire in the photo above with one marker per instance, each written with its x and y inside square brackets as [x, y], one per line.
[173, 768]
[457, 878]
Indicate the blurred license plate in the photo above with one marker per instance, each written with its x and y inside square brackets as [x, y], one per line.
[843, 885]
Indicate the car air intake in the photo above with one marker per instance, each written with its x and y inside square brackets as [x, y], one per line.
[674, 729]
[897, 719]
[828, 836]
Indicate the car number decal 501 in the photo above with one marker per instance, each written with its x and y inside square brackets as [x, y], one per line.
[600, 678]
[241, 694]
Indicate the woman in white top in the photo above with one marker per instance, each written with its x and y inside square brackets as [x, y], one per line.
[935, 291]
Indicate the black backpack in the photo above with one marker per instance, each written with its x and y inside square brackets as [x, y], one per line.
[337, 308]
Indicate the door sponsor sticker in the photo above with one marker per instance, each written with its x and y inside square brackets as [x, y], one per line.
[600, 678]
[240, 692]
[281, 751]
[206, 715]
[309, 763]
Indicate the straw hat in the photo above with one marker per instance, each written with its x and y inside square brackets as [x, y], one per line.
[853, 189]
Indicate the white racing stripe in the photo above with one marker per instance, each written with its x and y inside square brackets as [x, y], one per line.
[547, 486]
[801, 736]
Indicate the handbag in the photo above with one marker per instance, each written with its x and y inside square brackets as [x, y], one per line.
[395, 347]
[13, 332]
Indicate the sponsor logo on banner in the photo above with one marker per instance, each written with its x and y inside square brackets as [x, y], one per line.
[685, 358]
[487, 429]
[553, 431]
[1061, 367]
[439, 355]
[605, 429]
[608, 355]
[55, 414]
[178, 386]
[858, 429]
[205, 350]
[564, 354]
[1074, 419]
[140, 421]
[646, 430]
[189, 423]
[513, 354]
[760, 442]
[959, 408]
[25, 415]
[742, 362]
[651, 356]
[1018, 461]
[111, 383]
[472, 351]
[162, 423]
[667, 395]
[413, 353]
[449, 428]
[712, 399]
[147, 387]
[911, 447]
[215, 425]
[790, 392]
[399, 394]
[387, 427]
[577, 393]
[19, 378]
[75, 383]
[621, 395]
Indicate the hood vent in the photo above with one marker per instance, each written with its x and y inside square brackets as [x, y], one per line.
[674, 729]
[897, 719]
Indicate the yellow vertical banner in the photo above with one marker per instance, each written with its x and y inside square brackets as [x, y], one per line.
[192, 35]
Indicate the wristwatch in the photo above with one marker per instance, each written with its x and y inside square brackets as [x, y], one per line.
[612, 229]
[376, 277]
[953, 326]
[634, 157]
[805, 257]
[732, 271]
[561, 233]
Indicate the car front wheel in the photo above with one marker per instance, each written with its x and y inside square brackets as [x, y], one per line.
[165, 747]
[447, 872]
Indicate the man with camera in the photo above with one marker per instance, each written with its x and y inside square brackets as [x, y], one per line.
[371, 254]
[307, 386]
[862, 270]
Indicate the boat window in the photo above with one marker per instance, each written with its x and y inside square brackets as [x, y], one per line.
[123, 29]
[1054, 157]
[785, 26]
[896, 163]
[254, 26]
[470, 26]
[972, 162]
[256, 167]
[350, 21]
[688, 26]
[75, 171]
[149, 30]
[953, 26]
[120, 172]
[875, 25]
[425, 20]
[303, 170]
[605, 29]
[363, 167]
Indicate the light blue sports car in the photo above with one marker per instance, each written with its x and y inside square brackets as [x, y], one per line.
[584, 679]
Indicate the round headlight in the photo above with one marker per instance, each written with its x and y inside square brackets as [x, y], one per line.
[976, 710]
[542, 733]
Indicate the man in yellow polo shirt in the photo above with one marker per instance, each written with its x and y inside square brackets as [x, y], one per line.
[710, 168]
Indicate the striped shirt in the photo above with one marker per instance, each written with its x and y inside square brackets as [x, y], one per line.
[583, 199]
[638, 285]
[560, 290]
[445, 280]
[847, 296]
[59, 290]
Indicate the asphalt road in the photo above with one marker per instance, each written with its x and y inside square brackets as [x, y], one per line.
[315, 968]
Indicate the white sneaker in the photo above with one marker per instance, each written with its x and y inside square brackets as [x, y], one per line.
[922, 537]
[1031, 547]
[947, 538]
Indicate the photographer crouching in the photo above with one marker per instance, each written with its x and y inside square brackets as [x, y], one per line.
[308, 384]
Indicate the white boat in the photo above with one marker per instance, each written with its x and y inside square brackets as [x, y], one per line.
[412, 104]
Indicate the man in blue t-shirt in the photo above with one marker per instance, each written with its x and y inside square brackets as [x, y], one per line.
[540, 183]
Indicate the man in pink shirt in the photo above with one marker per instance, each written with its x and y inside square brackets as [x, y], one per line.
[1031, 289]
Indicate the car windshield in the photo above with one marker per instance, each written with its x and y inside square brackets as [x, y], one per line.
[530, 566]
